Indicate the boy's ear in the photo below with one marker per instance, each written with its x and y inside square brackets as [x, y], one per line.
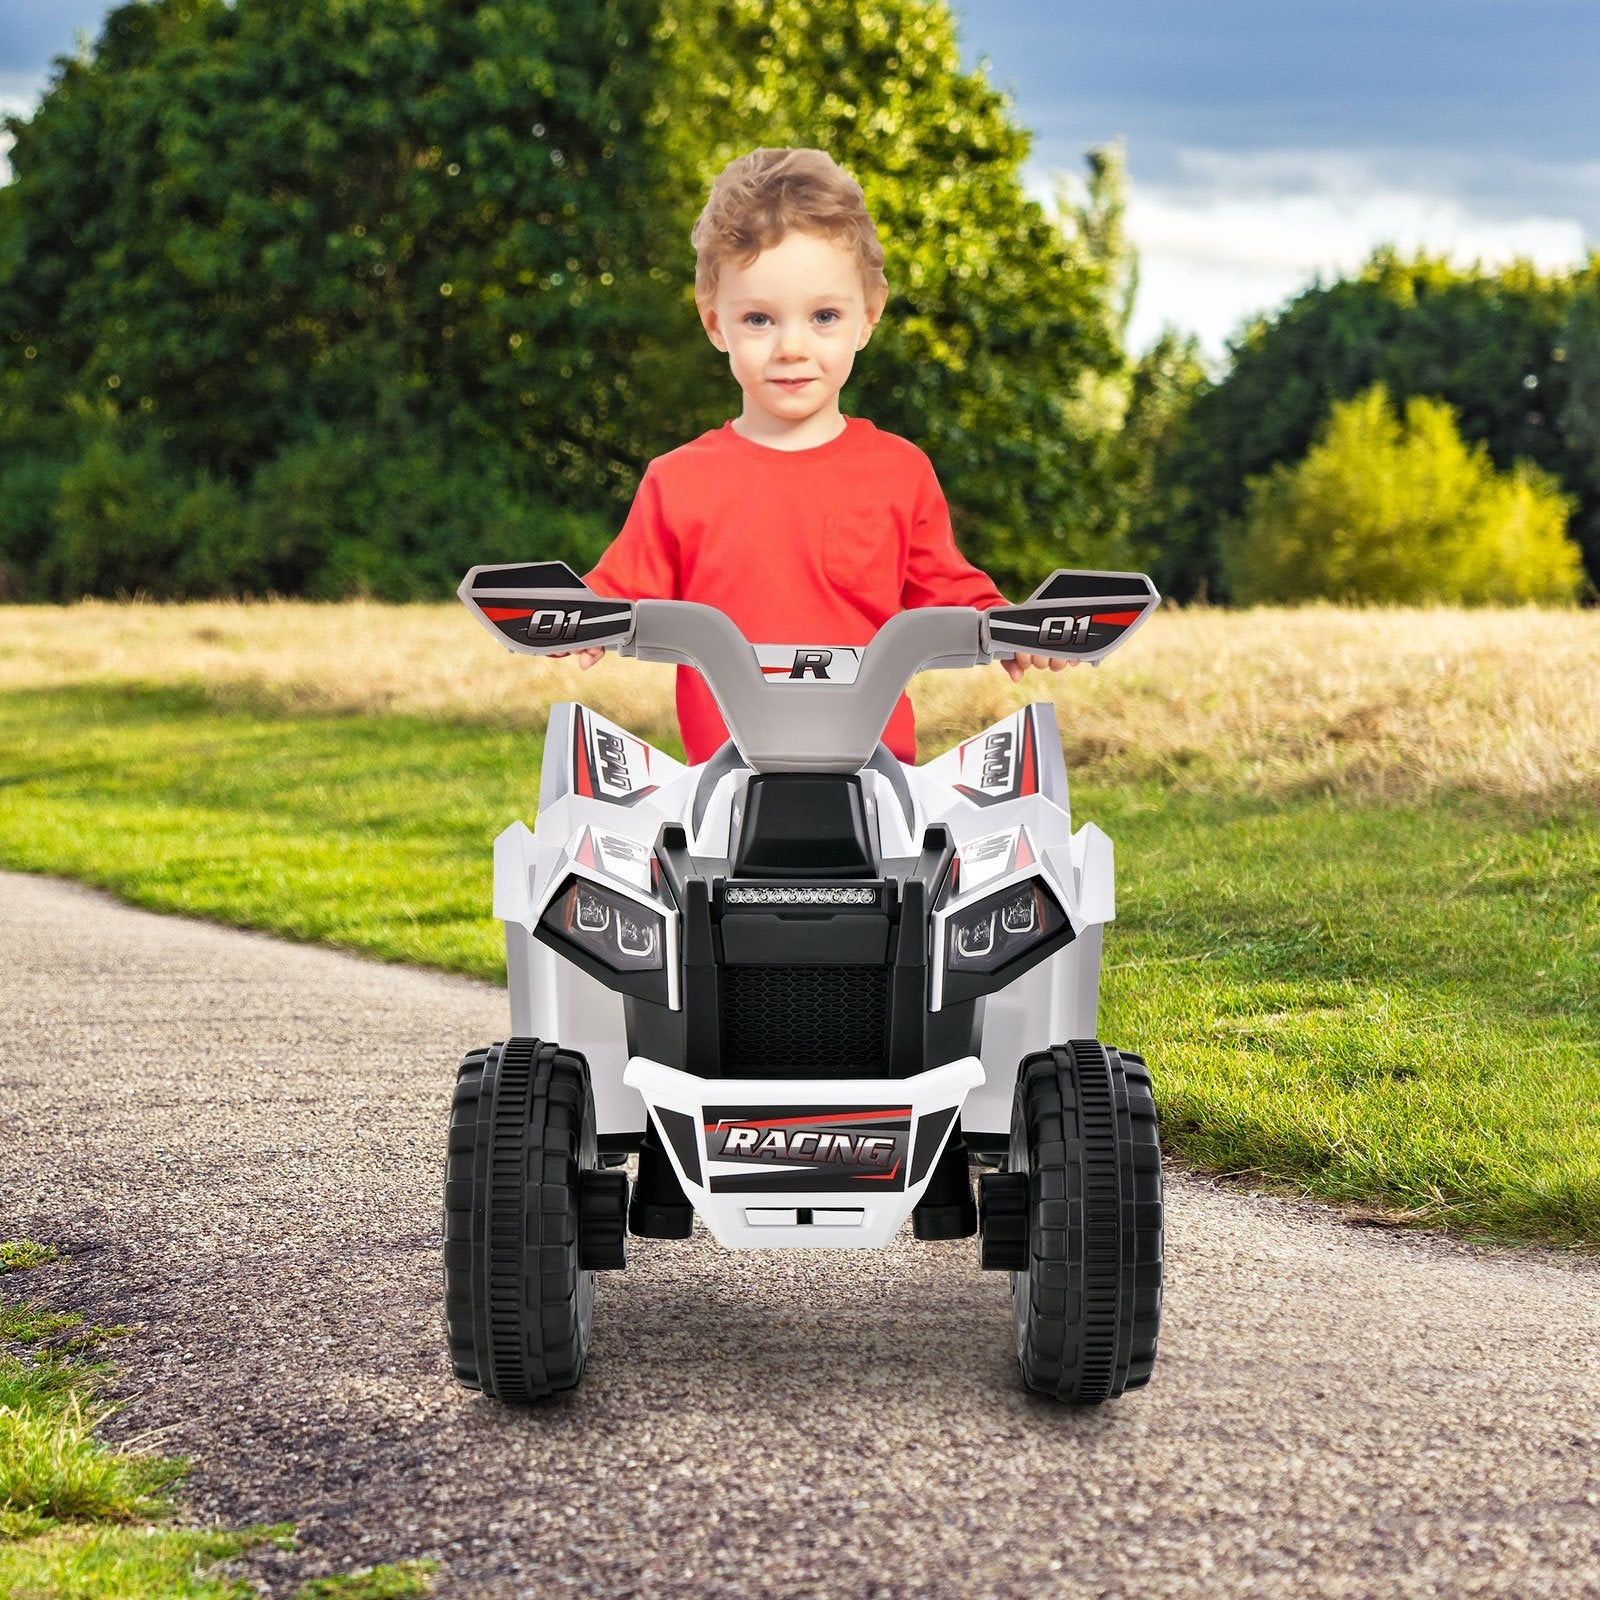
[875, 305]
[708, 320]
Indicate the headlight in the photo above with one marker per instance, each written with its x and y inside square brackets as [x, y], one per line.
[1001, 927]
[617, 932]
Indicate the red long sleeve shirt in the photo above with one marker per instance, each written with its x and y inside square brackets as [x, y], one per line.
[817, 546]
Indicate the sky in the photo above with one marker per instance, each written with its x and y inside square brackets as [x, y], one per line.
[1267, 141]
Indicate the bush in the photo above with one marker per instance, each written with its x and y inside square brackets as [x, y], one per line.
[29, 487]
[113, 516]
[344, 514]
[1501, 347]
[120, 520]
[337, 515]
[1402, 510]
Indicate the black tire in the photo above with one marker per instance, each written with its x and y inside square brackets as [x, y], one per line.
[518, 1305]
[1086, 1309]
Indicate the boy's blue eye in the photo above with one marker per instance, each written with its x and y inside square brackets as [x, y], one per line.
[756, 318]
[828, 317]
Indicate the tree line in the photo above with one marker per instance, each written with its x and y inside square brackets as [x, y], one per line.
[332, 300]
[1510, 360]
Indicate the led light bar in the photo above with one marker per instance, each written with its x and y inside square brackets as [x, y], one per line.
[800, 897]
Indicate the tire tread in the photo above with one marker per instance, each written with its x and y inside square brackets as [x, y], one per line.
[1088, 1321]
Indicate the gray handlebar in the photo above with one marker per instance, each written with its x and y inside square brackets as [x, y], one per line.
[823, 727]
[814, 722]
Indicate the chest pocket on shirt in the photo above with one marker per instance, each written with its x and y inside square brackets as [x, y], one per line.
[861, 554]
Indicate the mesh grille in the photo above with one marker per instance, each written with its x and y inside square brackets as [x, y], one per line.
[829, 1022]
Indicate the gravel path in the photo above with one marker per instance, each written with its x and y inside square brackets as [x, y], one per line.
[240, 1142]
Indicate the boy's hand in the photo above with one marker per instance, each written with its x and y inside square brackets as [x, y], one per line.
[1020, 663]
[586, 657]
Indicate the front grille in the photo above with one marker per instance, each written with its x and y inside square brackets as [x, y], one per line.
[823, 1022]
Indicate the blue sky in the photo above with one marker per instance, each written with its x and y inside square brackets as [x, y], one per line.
[1267, 140]
[1272, 140]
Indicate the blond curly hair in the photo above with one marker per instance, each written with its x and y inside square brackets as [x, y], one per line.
[760, 197]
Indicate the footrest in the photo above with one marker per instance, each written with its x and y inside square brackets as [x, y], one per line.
[1003, 1221]
[602, 1221]
[958, 1221]
[660, 1221]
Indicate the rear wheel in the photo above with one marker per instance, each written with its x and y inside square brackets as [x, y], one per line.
[529, 1217]
[1077, 1220]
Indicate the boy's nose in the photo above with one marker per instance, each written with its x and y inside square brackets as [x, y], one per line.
[791, 342]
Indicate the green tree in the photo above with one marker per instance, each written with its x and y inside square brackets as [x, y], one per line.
[1163, 385]
[1097, 223]
[1389, 509]
[1486, 343]
[401, 229]
[1578, 352]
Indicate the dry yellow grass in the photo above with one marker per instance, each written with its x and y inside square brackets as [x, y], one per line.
[1384, 703]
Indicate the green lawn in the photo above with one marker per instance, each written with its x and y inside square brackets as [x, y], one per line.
[1396, 1005]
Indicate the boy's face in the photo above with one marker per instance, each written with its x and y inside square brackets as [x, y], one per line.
[791, 322]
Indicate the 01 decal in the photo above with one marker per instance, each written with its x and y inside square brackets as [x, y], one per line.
[981, 861]
[1077, 615]
[806, 1150]
[1059, 631]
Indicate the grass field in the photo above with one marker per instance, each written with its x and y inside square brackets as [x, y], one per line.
[1391, 704]
[1363, 966]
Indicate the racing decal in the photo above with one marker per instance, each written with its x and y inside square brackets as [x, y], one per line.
[1001, 763]
[544, 607]
[1084, 615]
[608, 763]
[569, 625]
[615, 856]
[808, 663]
[981, 861]
[805, 1149]
[1061, 630]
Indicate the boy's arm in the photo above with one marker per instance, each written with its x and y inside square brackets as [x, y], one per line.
[937, 574]
[641, 563]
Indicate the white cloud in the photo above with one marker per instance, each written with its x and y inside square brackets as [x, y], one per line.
[1227, 236]
[12, 104]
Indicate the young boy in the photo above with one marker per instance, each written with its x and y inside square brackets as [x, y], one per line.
[803, 525]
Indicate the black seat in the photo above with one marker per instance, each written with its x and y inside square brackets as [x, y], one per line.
[728, 759]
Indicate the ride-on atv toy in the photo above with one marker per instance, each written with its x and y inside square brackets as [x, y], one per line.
[804, 982]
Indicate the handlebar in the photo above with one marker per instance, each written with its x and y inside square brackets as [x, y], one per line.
[806, 708]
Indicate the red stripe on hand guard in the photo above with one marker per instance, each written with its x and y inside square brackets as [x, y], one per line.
[504, 613]
[1120, 618]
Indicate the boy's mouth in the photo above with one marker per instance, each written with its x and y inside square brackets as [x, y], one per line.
[792, 383]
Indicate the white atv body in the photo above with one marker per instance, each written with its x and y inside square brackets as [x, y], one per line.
[604, 798]
[800, 979]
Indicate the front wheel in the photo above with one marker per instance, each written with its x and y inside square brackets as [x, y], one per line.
[529, 1216]
[1077, 1218]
